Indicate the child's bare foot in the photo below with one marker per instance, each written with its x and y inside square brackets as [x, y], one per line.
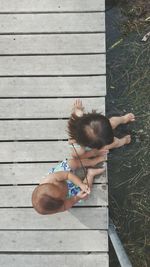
[94, 172]
[124, 140]
[103, 152]
[115, 121]
[120, 142]
[99, 159]
[91, 173]
[128, 118]
[127, 139]
[76, 163]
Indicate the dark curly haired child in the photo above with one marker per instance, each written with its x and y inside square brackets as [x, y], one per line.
[92, 133]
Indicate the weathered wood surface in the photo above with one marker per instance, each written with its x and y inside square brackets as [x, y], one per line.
[54, 241]
[67, 260]
[51, 51]
[52, 65]
[52, 44]
[76, 218]
[54, 23]
[53, 86]
[31, 173]
[45, 108]
[20, 196]
[33, 129]
[34, 151]
[51, 5]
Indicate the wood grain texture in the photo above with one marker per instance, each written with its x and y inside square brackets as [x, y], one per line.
[53, 86]
[45, 108]
[31, 173]
[62, 241]
[52, 23]
[44, 40]
[51, 5]
[76, 218]
[33, 129]
[55, 260]
[34, 151]
[52, 65]
[20, 196]
[52, 44]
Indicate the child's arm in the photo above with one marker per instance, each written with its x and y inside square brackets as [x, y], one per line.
[77, 111]
[77, 181]
[76, 149]
[57, 176]
[62, 176]
[68, 203]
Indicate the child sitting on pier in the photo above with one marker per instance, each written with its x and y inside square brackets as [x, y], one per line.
[92, 133]
[61, 189]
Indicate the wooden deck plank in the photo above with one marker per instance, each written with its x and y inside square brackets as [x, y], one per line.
[52, 44]
[76, 218]
[52, 23]
[51, 5]
[45, 108]
[31, 173]
[34, 151]
[52, 65]
[33, 129]
[54, 241]
[20, 196]
[53, 86]
[66, 260]
[61, 45]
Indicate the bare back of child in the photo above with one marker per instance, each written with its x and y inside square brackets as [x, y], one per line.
[61, 188]
[91, 134]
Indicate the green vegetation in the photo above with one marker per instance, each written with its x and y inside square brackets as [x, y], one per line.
[137, 13]
[128, 88]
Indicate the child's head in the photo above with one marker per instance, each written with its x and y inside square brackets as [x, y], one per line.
[46, 198]
[92, 129]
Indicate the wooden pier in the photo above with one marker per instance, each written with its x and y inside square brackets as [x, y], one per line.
[51, 52]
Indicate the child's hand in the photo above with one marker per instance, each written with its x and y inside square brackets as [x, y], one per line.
[78, 104]
[82, 195]
[85, 188]
[78, 108]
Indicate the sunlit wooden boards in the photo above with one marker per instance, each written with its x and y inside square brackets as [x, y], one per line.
[22, 218]
[20, 196]
[31, 173]
[67, 86]
[52, 44]
[51, 5]
[52, 65]
[45, 107]
[41, 151]
[60, 241]
[67, 260]
[51, 52]
[52, 23]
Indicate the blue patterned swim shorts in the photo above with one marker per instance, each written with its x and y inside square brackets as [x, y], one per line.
[73, 189]
[62, 166]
